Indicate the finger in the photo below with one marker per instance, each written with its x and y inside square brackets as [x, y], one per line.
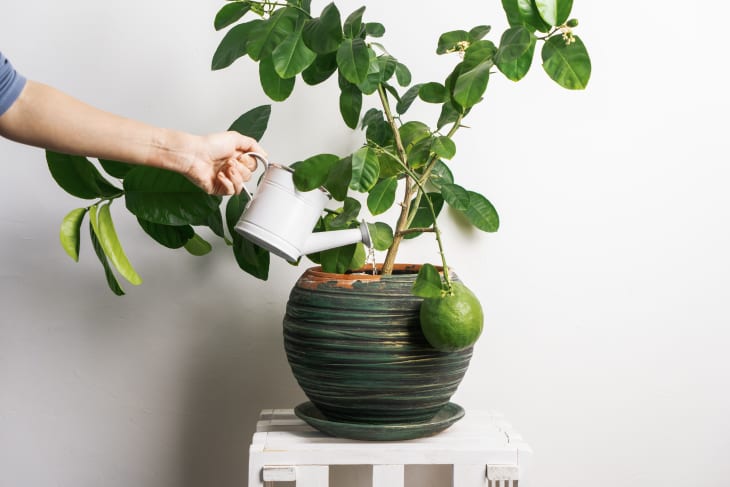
[250, 163]
[224, 186]
[234, 175]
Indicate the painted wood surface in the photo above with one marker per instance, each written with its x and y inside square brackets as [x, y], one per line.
[482, 442]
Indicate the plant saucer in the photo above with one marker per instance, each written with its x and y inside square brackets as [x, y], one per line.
[448, 415]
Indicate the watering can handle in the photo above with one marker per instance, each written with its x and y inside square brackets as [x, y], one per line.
[261, 159]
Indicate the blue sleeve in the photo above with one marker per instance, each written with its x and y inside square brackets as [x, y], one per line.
[11, 84]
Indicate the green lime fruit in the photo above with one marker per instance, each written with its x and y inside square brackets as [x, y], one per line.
[454, 321]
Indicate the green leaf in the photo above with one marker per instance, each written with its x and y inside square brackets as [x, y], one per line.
[324, 34]
[554, 12]
[313, 172]
[268, 34]
[230, 13]
[479, 52]
[452, 41]
[479, 32]
[375, 29]
[428, 282]
[371, 116]
[198, 246]
[419, 153]
[407, 99]
[116, 169]
[449, 114]
[359, 258]
[382, 196]
[215, 223]
[109, 240]
[71, 232]
[512, 10]
[444, 147]
[111, 280]
[379, 133]
[387, 66]
[423, 217]
[402, 74]
[365, 169]
[516, 50]
[412, 132]
[253, 123]
[381, 235]
[323, 66]
[350, 104]
[349, 214]
[353, 24]
[471, 85]
[166, 197]
[338, 180]
[291, 57]
[170, 236]
[515, 42]
[275, 87]
[250, 257]
[234, 44]
[456, 196]
[337, 260]
[568, 65]
[440, 175]
[433, 93]
[79, 177]
[530, 15]
[389, 165]
[234, 209]
[353, 59]
[481, 213]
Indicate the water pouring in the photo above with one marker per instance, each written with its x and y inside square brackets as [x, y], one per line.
[281, 219]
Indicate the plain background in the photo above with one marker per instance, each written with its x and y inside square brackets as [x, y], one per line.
[606, 290]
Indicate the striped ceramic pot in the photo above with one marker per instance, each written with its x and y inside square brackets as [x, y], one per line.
[354, 344]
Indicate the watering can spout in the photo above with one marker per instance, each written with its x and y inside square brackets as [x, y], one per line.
[320, 241]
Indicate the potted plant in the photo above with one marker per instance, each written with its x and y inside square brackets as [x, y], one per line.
[353, 334]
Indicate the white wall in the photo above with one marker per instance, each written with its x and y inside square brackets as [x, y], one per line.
[606, 289]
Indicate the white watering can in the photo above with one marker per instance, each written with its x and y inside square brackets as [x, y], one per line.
[280, 218]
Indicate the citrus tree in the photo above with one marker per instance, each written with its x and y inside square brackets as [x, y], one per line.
[290, 43]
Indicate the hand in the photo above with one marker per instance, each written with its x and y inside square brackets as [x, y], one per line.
[219, 162]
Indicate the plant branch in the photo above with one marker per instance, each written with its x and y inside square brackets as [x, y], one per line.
[402, 159]
[417, 230]
[400, 230]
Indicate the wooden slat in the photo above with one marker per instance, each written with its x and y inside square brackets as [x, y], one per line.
[388, 475]
[313, 476]
[470, 475]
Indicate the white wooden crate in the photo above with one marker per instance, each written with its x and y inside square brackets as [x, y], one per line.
[482, 447]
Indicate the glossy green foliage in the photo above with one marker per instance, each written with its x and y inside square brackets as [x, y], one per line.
[516, 49]
[253, 123]
[250, 257]
[79, 177]
[71, 232]
[170, 236]
[289, 41]
[198, 246]
[381, 234]
[168, 198]
[566, 63]
[428, 282]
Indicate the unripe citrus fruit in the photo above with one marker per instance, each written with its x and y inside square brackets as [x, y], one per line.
[454, 321]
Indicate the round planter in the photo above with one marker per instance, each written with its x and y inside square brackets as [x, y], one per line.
[355, 346]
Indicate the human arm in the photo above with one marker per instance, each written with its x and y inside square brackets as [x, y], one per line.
[45, 117]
